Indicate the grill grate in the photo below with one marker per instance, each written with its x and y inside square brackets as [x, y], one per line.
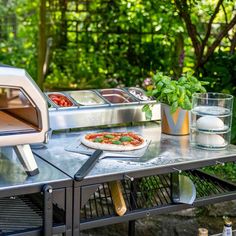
[99, 204]
[151, 192]
[25, 213]
[18, 214]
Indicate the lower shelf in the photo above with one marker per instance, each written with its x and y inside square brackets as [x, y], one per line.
[151, 195]
[20, 214]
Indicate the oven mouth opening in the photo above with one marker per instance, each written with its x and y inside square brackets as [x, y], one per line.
[18, 113]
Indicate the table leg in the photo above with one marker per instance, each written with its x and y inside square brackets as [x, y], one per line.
[69, 211]
[76, 212]
[175, 187]
[133, 198]
[131, 231]
[48, 211]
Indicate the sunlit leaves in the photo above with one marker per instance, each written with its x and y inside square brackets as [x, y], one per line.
[176, 93]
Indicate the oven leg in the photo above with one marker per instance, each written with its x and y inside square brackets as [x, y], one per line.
[26, 157]
[133, 198]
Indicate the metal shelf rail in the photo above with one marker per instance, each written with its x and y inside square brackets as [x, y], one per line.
[152, 195]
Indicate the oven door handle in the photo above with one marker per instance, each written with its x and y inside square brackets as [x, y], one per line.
[88, 165]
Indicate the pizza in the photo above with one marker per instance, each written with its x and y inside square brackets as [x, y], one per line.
[114, 141]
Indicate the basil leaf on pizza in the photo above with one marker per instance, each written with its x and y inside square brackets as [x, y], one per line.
[126, 139]
[98, 140]
[114, 141]
[117, 142]
[108, 136]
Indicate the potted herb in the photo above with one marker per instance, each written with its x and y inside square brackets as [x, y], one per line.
[176, 100]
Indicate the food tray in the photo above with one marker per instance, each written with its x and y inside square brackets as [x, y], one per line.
[119, 107]
[68, 103]
[117, 96]
[86, 98]
[139, 94]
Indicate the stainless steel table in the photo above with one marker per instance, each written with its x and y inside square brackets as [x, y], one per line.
[35, 205]
[151, 173]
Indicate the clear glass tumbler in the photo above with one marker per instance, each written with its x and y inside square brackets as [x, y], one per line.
[211, 118]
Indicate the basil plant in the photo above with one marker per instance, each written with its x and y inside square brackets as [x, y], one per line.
[175, 93]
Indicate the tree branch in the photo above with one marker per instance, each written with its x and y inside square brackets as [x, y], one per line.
[209, 25]
[233, 44]
[218, 39]
[182, 6]
[226, 18]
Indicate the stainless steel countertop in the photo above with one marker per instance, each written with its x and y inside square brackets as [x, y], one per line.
[12, 174]
[164, 151]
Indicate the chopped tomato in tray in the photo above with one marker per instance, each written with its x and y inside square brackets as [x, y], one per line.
[60, 100]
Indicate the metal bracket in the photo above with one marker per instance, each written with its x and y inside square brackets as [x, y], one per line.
[220, 163]
[175, 169]
[182, 189]
[86, 193]
[48, 211]
[129, 177]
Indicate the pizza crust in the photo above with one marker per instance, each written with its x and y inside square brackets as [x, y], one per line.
[111, 147]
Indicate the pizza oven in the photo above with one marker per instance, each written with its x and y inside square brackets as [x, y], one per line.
[23, 115]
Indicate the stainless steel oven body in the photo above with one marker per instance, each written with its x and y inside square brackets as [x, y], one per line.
[23, 115]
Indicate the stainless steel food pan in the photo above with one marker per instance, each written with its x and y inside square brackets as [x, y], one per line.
[86, 98]
[140, 94]
[60, 100]
[117, 96]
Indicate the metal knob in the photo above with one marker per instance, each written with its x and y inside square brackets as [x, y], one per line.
[129, 177]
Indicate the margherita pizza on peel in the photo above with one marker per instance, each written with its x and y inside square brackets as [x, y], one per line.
[114, 141]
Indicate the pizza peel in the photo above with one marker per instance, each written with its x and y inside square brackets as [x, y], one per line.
[95, 155]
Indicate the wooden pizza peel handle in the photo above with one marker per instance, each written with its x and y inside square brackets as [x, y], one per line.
[88, 165]
[117, 198]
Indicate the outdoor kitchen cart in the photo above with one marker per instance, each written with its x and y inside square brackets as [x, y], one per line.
[146, 186]
[155, 182]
